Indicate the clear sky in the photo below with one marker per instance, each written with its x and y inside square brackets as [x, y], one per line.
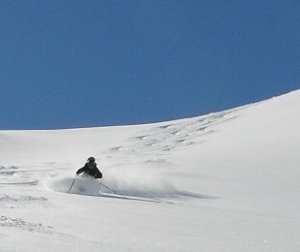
[66, 64]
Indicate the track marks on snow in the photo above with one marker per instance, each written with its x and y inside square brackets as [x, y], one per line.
[8, 171]
[174, 136]
[22, 175]
[8, 201]
[24, 225]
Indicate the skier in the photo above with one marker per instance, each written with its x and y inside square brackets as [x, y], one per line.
[90, 169]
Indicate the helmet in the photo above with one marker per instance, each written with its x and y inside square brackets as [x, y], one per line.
[91, 160]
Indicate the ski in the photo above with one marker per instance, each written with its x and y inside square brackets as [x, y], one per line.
[126, 197]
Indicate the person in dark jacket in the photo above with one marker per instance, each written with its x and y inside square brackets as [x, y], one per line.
[90, 169]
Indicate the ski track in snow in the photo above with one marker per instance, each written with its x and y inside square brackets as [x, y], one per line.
[20, 178]
[23, 175]
[8, 201]
[24, 225]
[162, 139]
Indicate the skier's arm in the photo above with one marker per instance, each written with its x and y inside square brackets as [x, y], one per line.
[98, 174]
[81, 170]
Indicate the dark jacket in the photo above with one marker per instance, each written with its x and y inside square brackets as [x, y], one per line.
[90, 170]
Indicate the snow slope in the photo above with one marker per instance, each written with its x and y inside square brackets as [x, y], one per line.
[227, 181]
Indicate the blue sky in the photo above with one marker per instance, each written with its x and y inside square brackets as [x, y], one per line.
[66, 64]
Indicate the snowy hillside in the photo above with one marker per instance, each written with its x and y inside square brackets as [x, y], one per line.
[227, 181]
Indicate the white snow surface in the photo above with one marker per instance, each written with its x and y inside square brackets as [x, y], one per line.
[227, 181]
